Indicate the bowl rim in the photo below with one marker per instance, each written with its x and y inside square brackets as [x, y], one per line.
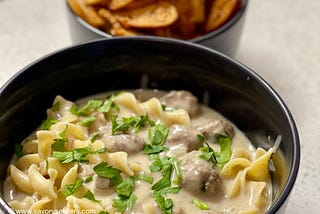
[202, 38]
[293, 171]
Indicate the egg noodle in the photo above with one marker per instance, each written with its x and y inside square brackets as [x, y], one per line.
[139, 151]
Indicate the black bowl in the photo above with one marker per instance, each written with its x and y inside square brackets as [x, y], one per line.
[224, 39]
[150, 62]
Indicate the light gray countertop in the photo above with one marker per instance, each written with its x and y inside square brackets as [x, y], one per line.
[280, 41]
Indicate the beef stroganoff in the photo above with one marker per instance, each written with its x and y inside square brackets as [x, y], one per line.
[143, 151]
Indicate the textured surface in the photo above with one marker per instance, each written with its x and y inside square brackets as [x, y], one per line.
[280, 42]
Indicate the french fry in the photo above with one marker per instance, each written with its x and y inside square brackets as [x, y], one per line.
[75, 6]
[220, 12]
[155, 15]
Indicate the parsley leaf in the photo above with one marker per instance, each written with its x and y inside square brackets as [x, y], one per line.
[69, 189]
[200, 204]
[125, 187]
[90, 107]
[87, 121]
[123, 125]
[219, 158]
[47, 123]
[89, 195]
[103, 170]
[88, 179]
[76, 155]
[146, 178]
[108, 104]
[165, 204]
[58, 144]
[158, 134]
[123, 203]
[18, 150]
[225, 150]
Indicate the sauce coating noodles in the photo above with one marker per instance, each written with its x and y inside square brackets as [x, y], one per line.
[140, 151]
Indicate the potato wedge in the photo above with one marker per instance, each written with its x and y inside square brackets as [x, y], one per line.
[220, 12]
[155, 15]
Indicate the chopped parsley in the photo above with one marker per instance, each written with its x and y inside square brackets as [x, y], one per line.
[103, 170]
[69, 189]
[88, 179]
[89, 195]
[165, 204]
[124, 203]
[59, 143]
[167, 166]
[200, 204]
[47, 123]
[18, 150]
[127, 123]
[90, 107]
[218, 158]
[146, 178]
[87, 121]
[157, 136]
[76, 155]
[94, 105]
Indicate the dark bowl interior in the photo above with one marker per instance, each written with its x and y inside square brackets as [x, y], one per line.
[149, 62]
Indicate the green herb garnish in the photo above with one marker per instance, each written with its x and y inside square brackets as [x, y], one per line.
[18, 150]
[103, 170]
[59, 143]
[200, 204]
[69, 189]
[146, 178]
[124, 203]
[157, 136]
[76, 155]
[126, 123]
[218, 158]
[87, 121]
[89, 195]
[47, 123]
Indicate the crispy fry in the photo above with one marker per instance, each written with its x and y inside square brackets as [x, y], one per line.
[183, 19]
[89, 14]
[158, 14]
[220, 12]
[75, 6]
[137, 4]
[118, 4]
[116, 28]
[97, 2]
[191, 13]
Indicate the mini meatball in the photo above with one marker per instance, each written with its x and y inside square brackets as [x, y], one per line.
[199, 175]
[123, 142]
[184, 136]
[215, 126]
[182, 99]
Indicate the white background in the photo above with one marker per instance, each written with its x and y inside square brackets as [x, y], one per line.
[280, 41]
